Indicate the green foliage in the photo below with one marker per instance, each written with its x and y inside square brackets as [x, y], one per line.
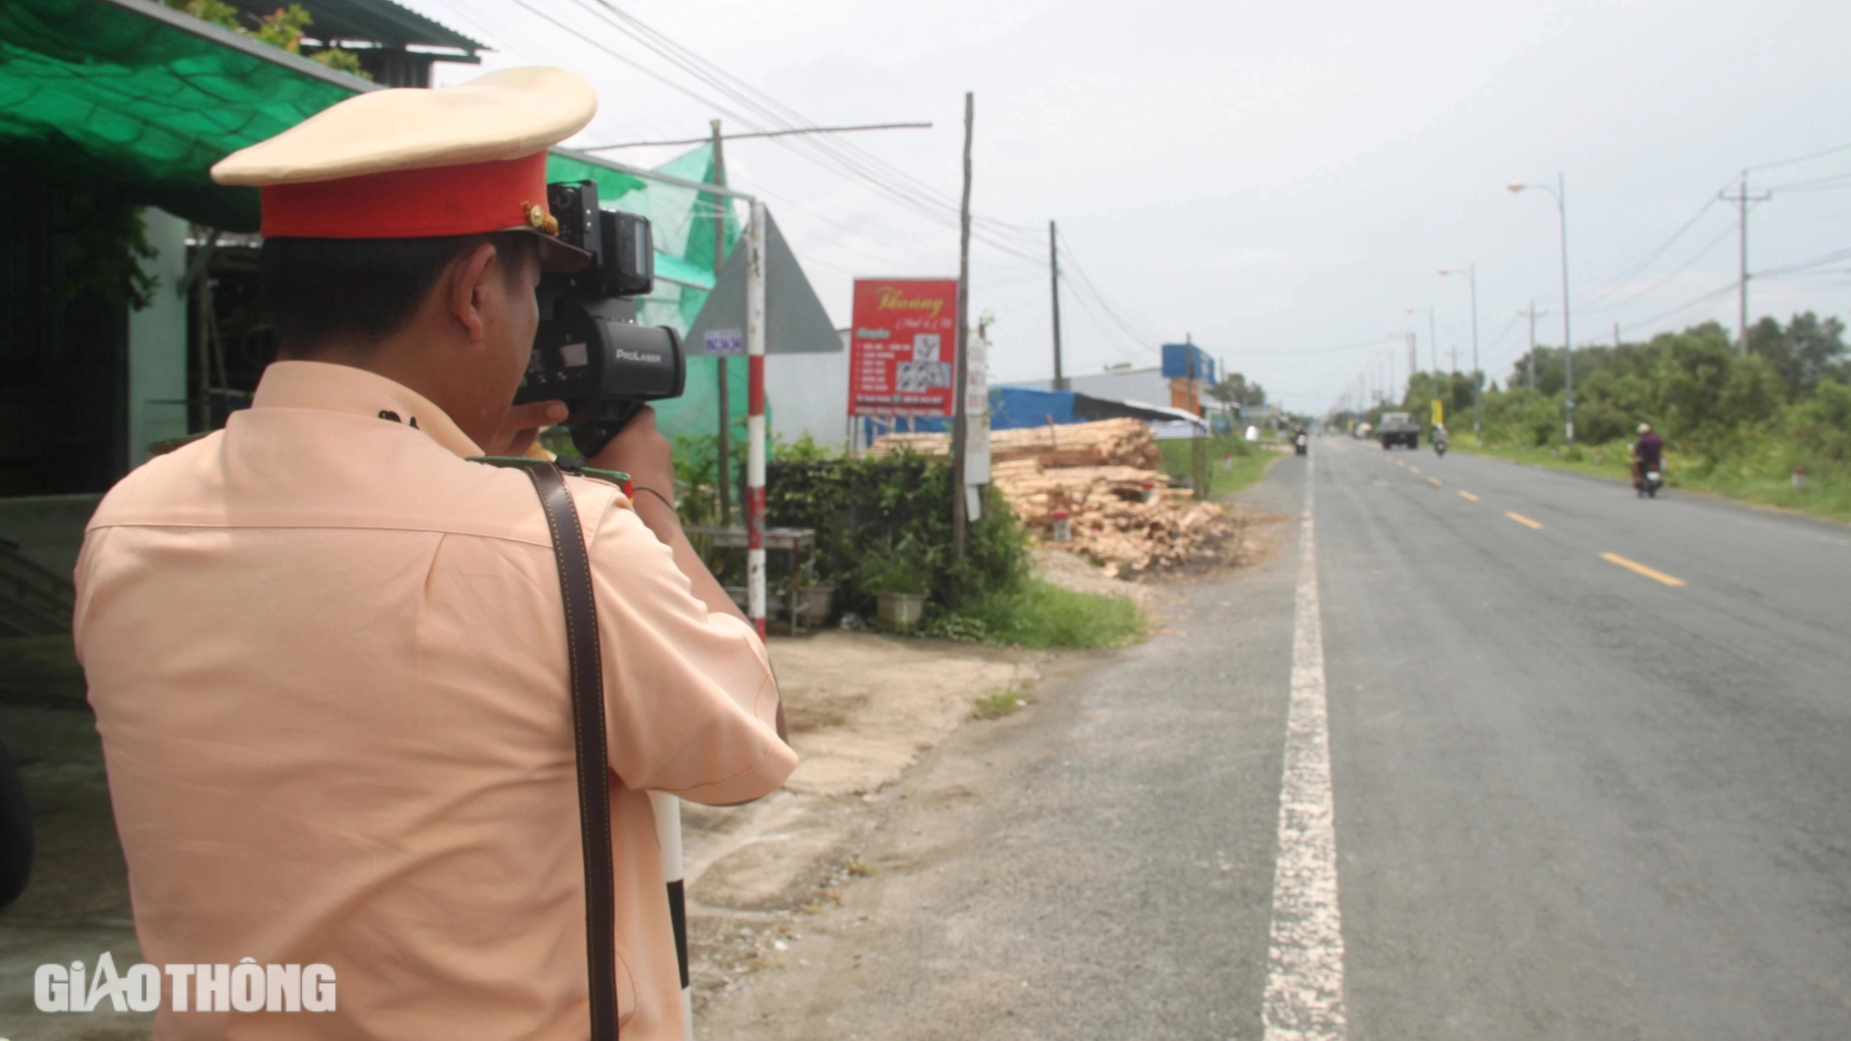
[998, 703]
[1822, 425]
[1038, 614]
[281, 28]
[341, 61]
[215, 11]
[897, 568]
[1233, 389]
[106, 243]
[895, 509]
[1249, 462]
[1696, 387]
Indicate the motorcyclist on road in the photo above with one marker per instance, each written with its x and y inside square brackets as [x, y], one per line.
[1438, 436]
[1647, 454]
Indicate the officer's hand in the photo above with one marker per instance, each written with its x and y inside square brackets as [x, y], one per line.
[522, 425]
[642, 452]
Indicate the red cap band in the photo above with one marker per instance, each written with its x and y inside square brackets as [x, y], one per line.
[470, 199]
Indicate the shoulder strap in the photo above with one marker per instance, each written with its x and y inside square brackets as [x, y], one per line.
[588, 732]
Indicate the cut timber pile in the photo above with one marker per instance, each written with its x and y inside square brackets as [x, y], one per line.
[1102, 473]
[1109, 442]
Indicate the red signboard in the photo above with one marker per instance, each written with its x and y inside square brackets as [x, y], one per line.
[903, 346]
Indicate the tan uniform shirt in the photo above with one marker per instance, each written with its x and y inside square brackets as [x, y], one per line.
[328, 663]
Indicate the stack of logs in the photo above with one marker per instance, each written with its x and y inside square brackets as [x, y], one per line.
[1106, 475]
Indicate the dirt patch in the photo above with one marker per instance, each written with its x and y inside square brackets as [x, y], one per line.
[862, 709]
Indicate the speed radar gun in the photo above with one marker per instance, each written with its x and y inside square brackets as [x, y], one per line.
[588, 351]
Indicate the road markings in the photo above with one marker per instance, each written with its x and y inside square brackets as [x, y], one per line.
[1468, 496]
[1415, 469]
[1437, 483]
[1525, 521]
[1304, 979]
[1632, 565]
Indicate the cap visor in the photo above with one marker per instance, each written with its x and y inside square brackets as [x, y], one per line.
[557, 256]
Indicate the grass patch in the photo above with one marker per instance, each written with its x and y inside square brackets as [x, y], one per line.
[1233, 464]
[998, 704]
[1827, 494]
[1043, 615]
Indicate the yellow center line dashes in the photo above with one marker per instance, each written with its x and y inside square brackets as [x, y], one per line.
[1634, 566]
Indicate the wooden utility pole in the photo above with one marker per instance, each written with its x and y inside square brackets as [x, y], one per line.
[1060, 380]
[723, 475]
[960, 430]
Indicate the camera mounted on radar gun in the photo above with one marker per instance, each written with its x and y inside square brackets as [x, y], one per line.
[588, 350]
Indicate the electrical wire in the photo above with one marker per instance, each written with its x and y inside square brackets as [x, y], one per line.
[1655, 286]
[1694, 302]
[868, 167]
[1802, 158]
[1615, 283]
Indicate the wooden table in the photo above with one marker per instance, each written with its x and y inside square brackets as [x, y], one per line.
[792, 540]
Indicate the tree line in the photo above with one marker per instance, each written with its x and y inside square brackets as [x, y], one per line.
[1786, 402]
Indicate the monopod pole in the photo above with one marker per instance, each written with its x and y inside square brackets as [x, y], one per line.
[668, 836]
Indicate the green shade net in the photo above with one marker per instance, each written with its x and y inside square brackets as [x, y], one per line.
[683, 221]
[93, 91]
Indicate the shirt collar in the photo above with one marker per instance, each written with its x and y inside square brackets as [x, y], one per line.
[343, 388]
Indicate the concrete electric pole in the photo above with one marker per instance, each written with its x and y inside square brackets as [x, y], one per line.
[1530, 359]
[1060, 380]
[1742, 200]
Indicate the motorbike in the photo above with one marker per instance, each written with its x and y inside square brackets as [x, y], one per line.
[1302, 444]
[1439, 447]
[1649, 482]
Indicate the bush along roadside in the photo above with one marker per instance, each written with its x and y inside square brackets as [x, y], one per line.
[1233, 462]
[1733, 424]
[884, 525]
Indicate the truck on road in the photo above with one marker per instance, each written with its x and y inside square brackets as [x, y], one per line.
[1398, 428]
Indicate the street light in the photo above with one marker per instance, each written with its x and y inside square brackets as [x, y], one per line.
[1471, 276]
[1560, 191]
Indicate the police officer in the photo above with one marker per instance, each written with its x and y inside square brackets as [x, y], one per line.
[327, 652]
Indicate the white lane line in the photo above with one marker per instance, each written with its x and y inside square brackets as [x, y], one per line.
[1304, 979]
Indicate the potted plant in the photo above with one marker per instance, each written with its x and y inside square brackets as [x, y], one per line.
[815, 597]
[897, 578]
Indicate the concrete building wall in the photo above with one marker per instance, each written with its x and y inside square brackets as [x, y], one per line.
[1147, 386]
[157, 343]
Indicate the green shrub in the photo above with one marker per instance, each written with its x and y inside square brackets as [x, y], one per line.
[867, 509]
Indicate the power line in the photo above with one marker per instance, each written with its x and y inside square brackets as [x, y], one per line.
[766, 133]
[1714, 294]
[765, 112]
[1802, 158]
[1655, 286]
[1614, 284]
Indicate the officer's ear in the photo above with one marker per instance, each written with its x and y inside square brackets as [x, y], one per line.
[468, 287]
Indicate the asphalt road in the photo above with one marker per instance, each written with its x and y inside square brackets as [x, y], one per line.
[1590, 766]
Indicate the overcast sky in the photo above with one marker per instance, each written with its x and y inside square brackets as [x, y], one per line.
[1280, 181]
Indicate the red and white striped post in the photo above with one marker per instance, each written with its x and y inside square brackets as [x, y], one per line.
[755, 418]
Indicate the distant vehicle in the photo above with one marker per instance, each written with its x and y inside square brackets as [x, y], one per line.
[1362, 431]
[1398, 428]
[1302, 443]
